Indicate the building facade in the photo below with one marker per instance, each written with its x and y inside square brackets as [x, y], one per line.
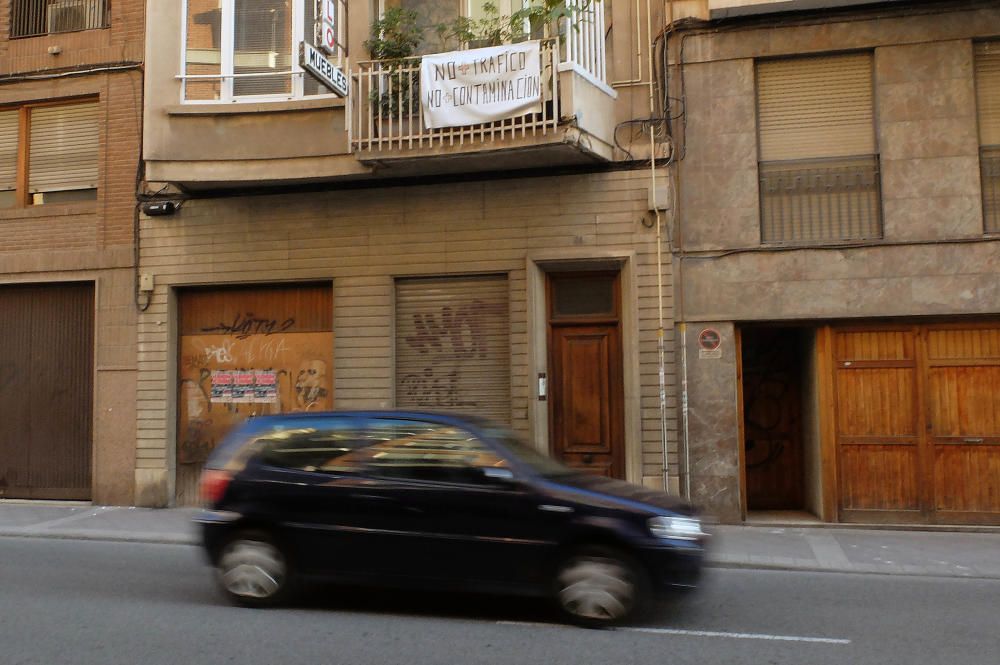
[70, 118]
[332, 251]
[836, 237]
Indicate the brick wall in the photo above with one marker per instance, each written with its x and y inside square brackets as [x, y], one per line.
[90, 240]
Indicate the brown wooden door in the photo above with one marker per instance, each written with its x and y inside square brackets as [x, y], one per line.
[918, 423]
[963, 422]
[585, 366]
[245, 351]
[878, 438]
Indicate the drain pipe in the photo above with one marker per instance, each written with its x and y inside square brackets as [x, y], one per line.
[660, 331]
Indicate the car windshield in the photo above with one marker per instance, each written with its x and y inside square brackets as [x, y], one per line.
[541, 464]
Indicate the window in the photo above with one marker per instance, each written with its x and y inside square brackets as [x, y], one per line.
[323, 446]
[53, 160]
[819, 168]
[416, 450]
[437, 16]
[29, 18]
[249, 49]
[988, 105]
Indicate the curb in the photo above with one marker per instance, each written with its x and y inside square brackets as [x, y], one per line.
[102, 536]
[867, 570]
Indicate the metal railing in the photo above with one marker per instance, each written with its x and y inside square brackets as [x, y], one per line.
[29, 18]
[989, 164]
[822, 200]
[583, 34]
[386, 111]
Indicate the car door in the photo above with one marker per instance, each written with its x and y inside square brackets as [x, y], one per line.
[308, 481]
[453, 510]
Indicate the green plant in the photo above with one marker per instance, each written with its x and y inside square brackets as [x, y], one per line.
[494, 28]
[395, 37]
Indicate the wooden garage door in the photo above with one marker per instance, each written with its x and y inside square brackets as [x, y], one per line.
[918, 423]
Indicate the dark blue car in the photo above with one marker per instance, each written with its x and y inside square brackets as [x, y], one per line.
[424, 499]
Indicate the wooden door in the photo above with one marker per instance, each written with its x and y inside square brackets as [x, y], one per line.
[918, 423]
[585, 366]
[878, 438]
[245, 351]
[963, 422]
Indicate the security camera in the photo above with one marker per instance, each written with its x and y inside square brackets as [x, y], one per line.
[159, 208]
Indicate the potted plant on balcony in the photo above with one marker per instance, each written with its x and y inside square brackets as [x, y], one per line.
[395, 38]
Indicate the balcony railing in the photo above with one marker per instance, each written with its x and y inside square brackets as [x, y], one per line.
[30, 18]
[817, 201]
[583, 37]
[989, 163]
[387, 116]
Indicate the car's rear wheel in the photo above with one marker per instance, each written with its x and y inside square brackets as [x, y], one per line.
[253, 571]
[598, 586]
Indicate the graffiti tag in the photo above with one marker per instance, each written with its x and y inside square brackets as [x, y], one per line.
[244, 326]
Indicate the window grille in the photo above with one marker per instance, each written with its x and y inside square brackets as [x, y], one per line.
[39, 17]
[819, 167]
[988, 107]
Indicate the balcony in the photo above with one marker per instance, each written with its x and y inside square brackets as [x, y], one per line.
[573, 125]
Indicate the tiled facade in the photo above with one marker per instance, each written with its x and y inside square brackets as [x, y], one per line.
[88, 241]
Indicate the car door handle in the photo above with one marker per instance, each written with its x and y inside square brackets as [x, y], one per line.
[373, 497]
[549, 508]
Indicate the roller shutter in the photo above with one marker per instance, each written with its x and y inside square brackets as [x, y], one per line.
[64, 148]
[9, 123]
[453, 345]
[815, 107]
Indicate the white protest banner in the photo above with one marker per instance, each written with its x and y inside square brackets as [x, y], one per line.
[481, 85]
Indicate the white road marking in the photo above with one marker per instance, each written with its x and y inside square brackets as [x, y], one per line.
[699, 633]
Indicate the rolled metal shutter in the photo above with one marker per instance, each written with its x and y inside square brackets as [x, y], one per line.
[64, 150]
[9, 123]
[815, 107]
[453, 345]
[988, 92]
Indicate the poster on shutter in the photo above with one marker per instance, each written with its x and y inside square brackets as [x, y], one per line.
[481, 85]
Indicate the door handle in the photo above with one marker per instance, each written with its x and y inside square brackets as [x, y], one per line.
[375, 497]
[973, 440]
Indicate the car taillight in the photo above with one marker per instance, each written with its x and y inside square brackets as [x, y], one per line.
[213, 484]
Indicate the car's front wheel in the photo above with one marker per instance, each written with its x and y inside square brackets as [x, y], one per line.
[598, 586]
[253, 571]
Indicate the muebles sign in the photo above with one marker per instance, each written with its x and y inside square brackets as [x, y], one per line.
[481, 85]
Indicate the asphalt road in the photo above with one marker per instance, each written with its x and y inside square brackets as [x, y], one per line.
[65, 601]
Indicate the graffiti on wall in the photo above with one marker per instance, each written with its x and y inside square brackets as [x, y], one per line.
[439, 349]
[227, 377]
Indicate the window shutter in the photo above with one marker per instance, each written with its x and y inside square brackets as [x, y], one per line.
[453, 345]
[8, 150]
[64, 148]
[988, 92]
[262, 38]
[815, 107]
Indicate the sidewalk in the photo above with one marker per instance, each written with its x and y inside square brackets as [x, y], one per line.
[851, 550]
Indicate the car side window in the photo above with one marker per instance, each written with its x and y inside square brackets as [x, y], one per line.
[322, 445]
[420, 450]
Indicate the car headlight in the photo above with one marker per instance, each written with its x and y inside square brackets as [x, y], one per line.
[677, 528]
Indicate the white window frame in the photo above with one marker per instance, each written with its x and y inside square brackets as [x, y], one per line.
[226, 45]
